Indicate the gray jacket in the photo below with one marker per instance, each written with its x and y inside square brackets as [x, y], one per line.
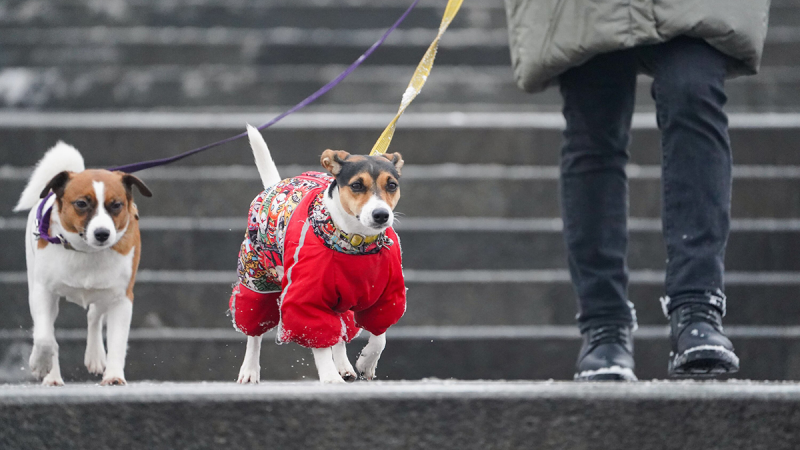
[548, 37]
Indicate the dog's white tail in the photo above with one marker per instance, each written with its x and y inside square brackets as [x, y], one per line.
[266, 166]
[58, 159]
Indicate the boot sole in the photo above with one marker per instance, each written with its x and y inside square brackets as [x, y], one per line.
[614, 373]
[704, 362]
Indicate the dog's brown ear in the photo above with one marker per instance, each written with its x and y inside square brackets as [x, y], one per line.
[129, 180]
[397, 160]
[56, 184]
[332, 160]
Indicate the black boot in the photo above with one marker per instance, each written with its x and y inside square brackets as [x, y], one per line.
[699, 346]
[606, 354]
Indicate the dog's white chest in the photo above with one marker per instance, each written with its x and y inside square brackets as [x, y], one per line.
[84, 278]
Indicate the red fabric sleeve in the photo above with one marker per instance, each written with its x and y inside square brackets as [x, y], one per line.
[389, 308]
[254, 313]
[308, 315]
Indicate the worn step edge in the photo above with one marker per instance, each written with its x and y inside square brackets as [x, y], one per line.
[447, 332]
[220, 36]
[644, 277]
[438, 224]
[402, 390]
[449, 171]
[10, 118]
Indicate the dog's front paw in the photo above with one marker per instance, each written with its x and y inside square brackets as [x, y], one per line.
[249, 376]
[367, 365]
[113, 378]
[346, 371]
[41, 360]
[332, 379]
[114, 381]
[95, 361]
[349, 376]
[52, 380]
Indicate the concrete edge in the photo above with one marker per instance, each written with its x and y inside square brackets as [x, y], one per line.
[426, 390]
[637, 277]
[418, 333]
[236, 121]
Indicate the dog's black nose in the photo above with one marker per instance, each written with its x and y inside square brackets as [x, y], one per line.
[380, 216]
[101, 234]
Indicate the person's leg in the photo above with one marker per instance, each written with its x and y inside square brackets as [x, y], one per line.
[598, 106]
[696, 176]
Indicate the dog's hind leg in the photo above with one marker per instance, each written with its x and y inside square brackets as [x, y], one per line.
[368, 361]
[118, 326]
[328, 373]
[342, 363]
[44, 357]
[95, 357]
[251, 368]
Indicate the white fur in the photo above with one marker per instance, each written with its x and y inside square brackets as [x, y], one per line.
[266, 166]
[93, 278]
[251, 368]
[332, 363]
[342, 363]
[101, 221]
[368, 361]
[326, 368]
[58, 159]
[365, 216]
[363, 224]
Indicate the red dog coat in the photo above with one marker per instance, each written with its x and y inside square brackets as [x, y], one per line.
[299, 271]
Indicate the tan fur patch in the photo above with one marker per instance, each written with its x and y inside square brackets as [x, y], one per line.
[353, 202]
[391, 198]
[397, 160]
[131, 240]
[329, 157]
[79, 187]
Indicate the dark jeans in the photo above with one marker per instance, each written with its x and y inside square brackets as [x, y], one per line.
[688, 89]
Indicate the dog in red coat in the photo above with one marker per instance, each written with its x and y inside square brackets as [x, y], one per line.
[321, 262]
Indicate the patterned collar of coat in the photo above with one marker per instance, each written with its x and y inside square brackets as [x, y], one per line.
[336, 239]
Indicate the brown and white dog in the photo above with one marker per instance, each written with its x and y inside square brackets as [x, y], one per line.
[94, 265]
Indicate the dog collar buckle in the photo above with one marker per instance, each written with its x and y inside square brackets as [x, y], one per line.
[356, 240]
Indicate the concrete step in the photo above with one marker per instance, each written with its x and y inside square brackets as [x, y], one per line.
[390, 415]
[63, 46]
[172, 86]
[426, 248]
[146, 45]
[223, 194]
[251, 14]
[254, 14]
[458, 136]
[182, 303]
[412, 353]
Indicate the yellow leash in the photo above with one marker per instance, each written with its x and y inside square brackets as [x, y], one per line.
[419, 78]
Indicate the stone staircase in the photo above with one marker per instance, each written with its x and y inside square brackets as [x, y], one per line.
[401, 415]
[489, 293]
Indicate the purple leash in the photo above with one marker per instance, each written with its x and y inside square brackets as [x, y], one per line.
[43, 217]
[135, 167]
[43, 222]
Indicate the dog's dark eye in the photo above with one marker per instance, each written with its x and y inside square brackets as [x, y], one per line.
[80, 204]
[357, 186]
[391, 186]
[115, 206]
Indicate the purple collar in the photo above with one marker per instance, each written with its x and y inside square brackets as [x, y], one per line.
[43, 223]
